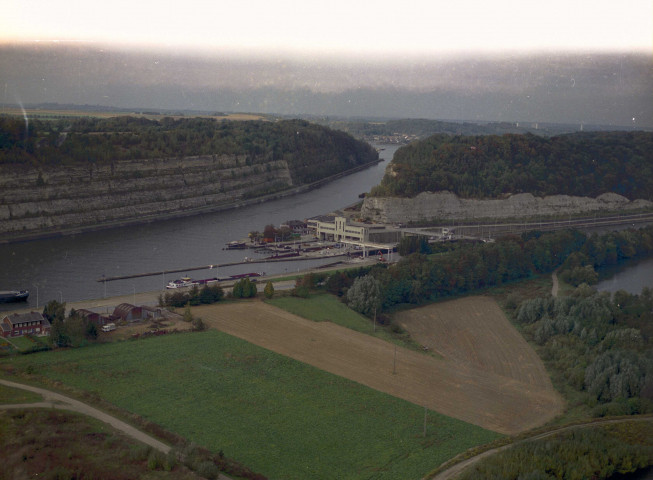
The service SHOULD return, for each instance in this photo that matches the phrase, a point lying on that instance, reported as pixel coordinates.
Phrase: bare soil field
(474, 331)
(511, 396)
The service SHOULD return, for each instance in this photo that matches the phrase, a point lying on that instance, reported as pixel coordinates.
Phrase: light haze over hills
(559, 61)
(595, 88)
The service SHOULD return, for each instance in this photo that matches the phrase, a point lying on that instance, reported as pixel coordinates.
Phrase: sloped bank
(445, 205)
(40, 204)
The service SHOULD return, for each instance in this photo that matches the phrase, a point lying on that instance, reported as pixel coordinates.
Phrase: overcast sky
(567, 61)
(338, 27)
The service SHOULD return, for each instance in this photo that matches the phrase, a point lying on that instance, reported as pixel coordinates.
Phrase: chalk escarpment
(447, 206)
(44, 200)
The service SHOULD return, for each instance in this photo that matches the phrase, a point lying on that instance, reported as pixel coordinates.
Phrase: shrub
(269, 290)
(300, 291)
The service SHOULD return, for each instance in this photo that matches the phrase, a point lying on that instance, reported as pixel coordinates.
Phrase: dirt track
(58, 401)
(508, 399)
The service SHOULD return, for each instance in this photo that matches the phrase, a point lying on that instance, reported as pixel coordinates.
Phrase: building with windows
(340, 230)
(19, 324)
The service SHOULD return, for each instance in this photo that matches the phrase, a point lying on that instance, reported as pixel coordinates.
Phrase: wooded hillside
(580, 164)
(312, 152)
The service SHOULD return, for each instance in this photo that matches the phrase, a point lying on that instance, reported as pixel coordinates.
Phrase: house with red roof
(19, 324)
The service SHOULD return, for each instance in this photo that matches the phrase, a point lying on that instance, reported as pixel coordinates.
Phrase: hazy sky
(337, 27)
(570, 61)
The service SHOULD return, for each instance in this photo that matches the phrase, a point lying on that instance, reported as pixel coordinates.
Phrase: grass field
(278, 416)
(26, 343)
(323, 307)
(16, 395)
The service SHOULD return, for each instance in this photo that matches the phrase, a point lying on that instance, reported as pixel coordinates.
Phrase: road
(61, 402)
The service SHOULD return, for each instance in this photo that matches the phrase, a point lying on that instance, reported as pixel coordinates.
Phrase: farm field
(324, 307)
(475, 332)
(278, 416)
(513, 396)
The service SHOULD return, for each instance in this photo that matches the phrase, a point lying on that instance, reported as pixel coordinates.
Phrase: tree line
(596, 344)
(594, 452)
(311, 151)
(429, 272)
(580, 164)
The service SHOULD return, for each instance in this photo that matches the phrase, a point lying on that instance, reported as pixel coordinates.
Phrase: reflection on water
(67, 268)
(632, 278)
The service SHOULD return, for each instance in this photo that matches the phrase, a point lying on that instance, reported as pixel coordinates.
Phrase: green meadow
(323, 307)
(280, 417)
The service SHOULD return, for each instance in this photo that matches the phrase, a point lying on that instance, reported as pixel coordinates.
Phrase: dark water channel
(67, 268)
(632, 278)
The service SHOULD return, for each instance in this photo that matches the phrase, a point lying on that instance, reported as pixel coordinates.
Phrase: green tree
(54, 310)
(91, 331)
(269, 290)
(364, 295)
(210, 294)
(244, 288)
(198, 324)
(188, 315)
(59, 336)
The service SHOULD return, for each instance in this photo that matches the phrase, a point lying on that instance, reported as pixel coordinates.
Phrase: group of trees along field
(597, 344)
(312, 151)
(580, 164)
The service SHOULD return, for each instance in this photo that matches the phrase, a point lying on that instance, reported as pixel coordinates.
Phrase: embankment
(445, 205)
(50, 202)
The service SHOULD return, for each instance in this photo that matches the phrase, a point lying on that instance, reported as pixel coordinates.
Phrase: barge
(7, 296)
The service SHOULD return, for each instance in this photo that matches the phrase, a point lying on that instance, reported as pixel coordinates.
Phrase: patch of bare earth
(510, 395)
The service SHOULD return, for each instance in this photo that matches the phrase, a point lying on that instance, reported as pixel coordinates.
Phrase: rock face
(445, 205)
(34, 202)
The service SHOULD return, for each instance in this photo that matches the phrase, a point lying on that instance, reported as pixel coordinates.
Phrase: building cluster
(35, 323)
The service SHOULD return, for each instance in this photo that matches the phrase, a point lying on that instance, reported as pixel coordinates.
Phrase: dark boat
(246, 275)
(7, 296)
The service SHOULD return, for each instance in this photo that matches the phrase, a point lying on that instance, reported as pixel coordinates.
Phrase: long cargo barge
(189, 282)
(7, 296)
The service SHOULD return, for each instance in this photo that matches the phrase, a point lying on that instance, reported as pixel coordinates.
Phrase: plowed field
(499, 385)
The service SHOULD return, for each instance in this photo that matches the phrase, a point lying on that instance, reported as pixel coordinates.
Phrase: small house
(19, 324)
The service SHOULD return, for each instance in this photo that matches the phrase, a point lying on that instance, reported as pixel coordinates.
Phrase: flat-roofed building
(340, 230)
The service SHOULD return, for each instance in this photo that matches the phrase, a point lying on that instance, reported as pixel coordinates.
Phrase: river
(67, 268)
(632, 278)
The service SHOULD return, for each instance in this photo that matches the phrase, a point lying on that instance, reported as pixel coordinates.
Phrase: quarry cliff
(435, 206)
(71, 176)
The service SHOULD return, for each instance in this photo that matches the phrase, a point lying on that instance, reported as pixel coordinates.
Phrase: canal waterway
(631, 277)
(67, 268)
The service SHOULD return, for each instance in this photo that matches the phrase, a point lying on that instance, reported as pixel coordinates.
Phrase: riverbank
(151, 298)
(139, 218)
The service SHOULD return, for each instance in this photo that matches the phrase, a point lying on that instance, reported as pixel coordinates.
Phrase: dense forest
(597, 452)
(312, 152)
(580, 164)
